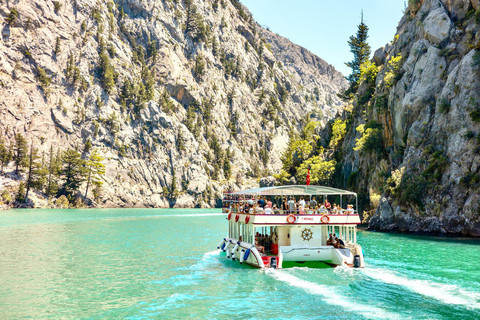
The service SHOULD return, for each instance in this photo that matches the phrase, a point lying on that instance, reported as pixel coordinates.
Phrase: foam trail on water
(205, 260)
(330, 296)
(446, 293)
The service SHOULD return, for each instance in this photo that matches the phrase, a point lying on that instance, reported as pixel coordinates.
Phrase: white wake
(330, 297)
(446, 293)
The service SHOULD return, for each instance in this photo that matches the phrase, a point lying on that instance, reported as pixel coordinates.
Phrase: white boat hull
(325, 254)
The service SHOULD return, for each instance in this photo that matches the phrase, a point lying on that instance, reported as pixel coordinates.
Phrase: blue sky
(324, 26)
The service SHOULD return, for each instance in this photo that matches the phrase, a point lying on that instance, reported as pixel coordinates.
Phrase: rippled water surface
(162, 264)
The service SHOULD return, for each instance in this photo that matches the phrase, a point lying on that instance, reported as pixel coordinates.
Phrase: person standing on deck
(301, 202)
(261, 202)
(285, 205)
(313, 203)
(291, 206)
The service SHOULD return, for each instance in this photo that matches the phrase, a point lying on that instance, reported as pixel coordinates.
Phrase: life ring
(291, 219)
(325, 219)
(236, 217)
(229, 216)
(247, 219)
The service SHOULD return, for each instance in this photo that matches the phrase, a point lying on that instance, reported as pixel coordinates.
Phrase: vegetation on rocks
(163, 91)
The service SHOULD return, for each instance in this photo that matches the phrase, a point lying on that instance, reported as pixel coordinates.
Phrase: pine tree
(6, 154)
(31, 175)
(227, 167)
(20, 193)
(107, 72)
(54, 167)
(95, 169)
(20, 152)
(361, 53)
(73, 171)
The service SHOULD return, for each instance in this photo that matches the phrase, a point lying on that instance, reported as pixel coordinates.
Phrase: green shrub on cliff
(12, 16)
(393, 70)
(321, 171)
(371, 139)
(339, 129)
(368, 72)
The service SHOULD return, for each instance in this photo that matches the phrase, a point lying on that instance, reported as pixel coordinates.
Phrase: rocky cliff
(182, 98)
(413, 138)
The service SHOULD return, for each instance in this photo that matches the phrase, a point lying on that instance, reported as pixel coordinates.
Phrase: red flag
(308, 177)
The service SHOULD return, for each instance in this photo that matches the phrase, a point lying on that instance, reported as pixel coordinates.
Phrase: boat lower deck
(248, 253)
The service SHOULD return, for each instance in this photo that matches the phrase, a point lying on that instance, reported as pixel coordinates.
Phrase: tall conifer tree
(20, 152)
(361, 53)
(6, 154)
(95, 169)
(73, 171)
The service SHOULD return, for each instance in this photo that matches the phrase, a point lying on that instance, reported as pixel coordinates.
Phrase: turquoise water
(162, 264)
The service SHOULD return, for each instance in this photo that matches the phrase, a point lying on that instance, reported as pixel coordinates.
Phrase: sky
(324, 26)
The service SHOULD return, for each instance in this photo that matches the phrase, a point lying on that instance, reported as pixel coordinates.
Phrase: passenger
(329, 240)
(350, 209)
(338, 209)
(269, 203)
(313, 203)
(301, 210)
(340, 243)
(261, 202)
(291, 206)
(322, 209)
(259, 247)
(301, 202)
(275, 209)
(327, 205)
(285, 205)
(334, 209)
(268, 209)
(258, 209)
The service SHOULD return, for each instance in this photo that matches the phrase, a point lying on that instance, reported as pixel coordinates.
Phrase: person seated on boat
(327, 205)
(291, 206)
(268, 209)
(269, 203)
(275, 209)
(259, 247)
(329, 240)
(301, 210)
(322, 209)
(339, 209)
(340, 243)
(258, 209)
(350, 209)
(333, 209)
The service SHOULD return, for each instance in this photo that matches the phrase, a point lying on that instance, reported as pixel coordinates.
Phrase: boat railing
(296, 212)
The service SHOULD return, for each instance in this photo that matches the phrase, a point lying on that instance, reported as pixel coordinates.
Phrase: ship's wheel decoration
(307, 234)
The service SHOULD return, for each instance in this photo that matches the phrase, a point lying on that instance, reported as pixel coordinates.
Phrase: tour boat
(276, 238)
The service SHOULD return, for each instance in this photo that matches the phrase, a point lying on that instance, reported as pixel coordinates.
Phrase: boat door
(284, 236)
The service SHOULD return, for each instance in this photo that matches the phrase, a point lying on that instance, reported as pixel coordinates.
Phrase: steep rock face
(164, 89)
(428, 169)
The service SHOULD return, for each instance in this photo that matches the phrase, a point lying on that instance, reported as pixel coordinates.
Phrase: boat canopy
(294, 191)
